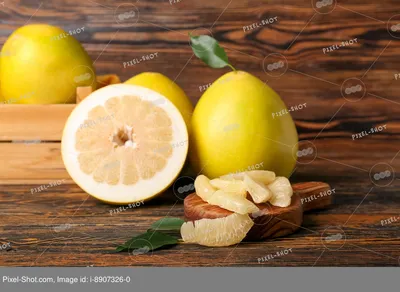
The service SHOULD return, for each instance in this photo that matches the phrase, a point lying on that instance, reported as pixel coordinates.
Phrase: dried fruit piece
(229, 201)
(224, 231)
(203, 187)
(232, 203)
(236, 187)
(259, 192)
(281, 192)
(261, 176)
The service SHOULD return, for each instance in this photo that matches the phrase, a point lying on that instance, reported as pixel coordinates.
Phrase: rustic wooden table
(366, 213)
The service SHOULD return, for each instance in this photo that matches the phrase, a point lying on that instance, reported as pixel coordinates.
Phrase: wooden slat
(42, 122)
(33, 122)
(31, 162)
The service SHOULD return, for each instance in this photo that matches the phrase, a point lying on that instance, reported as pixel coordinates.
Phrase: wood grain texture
(271, 222)
(33, 123)
(314, 78)
(37, 123)
(30, 161)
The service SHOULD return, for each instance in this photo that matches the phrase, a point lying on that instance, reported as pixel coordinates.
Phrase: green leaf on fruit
(209, 51)
(143, 243)
(168, 224)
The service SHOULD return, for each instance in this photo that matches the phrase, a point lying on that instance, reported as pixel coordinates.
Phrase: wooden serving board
(270, 221)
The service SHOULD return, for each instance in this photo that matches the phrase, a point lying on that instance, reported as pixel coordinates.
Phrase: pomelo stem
(233, 68)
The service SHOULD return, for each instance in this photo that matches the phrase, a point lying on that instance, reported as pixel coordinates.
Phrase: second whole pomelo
(43, 64)
(234, 129)
(165, 86)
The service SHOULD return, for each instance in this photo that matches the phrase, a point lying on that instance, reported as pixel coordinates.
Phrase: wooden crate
(30, 139)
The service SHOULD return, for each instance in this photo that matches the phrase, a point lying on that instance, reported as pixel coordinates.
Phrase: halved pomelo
(118, 143)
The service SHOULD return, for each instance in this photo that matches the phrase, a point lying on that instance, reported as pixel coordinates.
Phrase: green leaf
(151, 240)
(209, 51)
(168, 224)
(120, 248)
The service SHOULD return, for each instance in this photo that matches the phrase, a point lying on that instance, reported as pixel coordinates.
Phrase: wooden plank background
(26, 218)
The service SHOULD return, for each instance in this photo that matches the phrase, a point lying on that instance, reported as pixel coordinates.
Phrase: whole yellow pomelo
(1, 98)
(162, 84)
(43, 64)
(234, 130)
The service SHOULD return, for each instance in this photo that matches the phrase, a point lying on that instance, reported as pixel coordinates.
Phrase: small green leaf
(151, 240)
(120, 248)
(168, 224)
(209, 51)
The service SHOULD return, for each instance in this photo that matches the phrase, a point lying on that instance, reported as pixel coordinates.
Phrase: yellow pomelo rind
(234, 130)
(42, 64)
(165, 86)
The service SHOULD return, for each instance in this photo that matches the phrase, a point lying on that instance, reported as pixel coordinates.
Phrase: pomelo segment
(203, 187)
(282, 192)
(262, 176)
(258, 192)
(235, 202)
(217, 232)
(230, 191)
(117, 144)
(230, 186)
(232, 203)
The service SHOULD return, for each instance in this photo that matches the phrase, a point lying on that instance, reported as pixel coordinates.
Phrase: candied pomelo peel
(238, 193)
